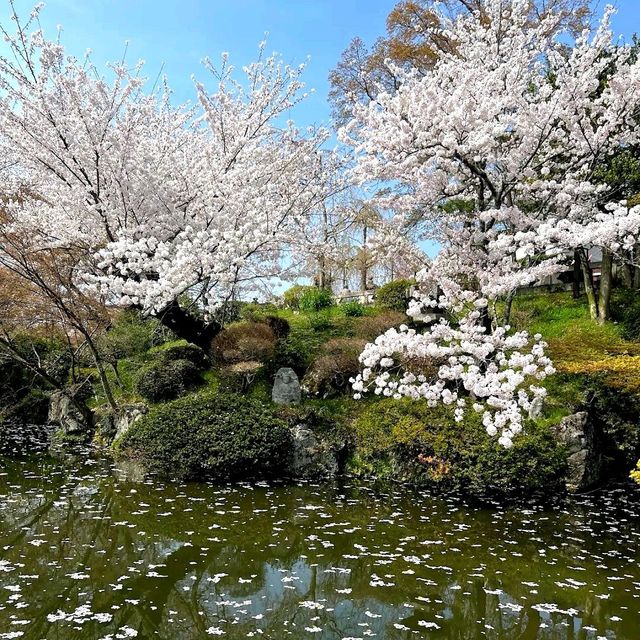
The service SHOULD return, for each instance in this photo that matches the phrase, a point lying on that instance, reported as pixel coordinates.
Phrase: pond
(88, 554)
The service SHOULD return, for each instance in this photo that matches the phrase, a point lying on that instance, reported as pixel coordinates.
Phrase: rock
(286, 387)
(312, 456)
(536, 408)
(127, 416)
(68, 411)
(112, 425)
(583, 441)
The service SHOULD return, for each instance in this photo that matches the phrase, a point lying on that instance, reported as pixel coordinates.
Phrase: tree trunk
(626, 275)
(507, 307)
(589, 286)
(363, 266)
(187, 326)
(102, 374)
(575, 284)
(323, 279)
(606, 279)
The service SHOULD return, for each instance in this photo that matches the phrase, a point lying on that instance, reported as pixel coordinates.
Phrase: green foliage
(353, 309)
(315, 299)
(327, 419)
(227, 312)
(182, 350)
(618, 414)
(129, 335)
(208, 436)
(165, 380)
(22, 391)
(280, 326)
(394, 295)
(291, 297)
(626, 310)
(322, 321)
(243, 342)
(329, 374)
(31, 407)
(425, 445)
(297, 350)
(256, 311)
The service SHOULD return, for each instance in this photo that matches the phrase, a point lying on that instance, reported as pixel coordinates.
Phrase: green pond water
(86, 553)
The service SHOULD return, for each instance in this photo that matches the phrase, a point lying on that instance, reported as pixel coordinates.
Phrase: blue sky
(179, 33)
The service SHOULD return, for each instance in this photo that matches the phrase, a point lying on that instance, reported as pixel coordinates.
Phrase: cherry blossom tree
(495, 151)
(161, 202)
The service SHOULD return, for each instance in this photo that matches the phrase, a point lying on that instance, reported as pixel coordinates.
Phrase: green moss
(425, 445)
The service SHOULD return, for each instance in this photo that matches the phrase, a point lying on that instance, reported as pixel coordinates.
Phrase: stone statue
(286, 387)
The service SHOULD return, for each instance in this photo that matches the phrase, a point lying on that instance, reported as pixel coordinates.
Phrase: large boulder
(286, 387)
(583, 440)
(68, 410)
(312, 456)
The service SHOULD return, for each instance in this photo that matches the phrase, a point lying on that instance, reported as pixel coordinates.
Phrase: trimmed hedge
(329, 374)
(165, 380)
(207, 436)
(244, 341)
(183, 350)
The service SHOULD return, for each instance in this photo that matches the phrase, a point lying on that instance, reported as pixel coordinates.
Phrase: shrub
(244, 341)
(315, 299)
(183, 350)
(291, 297)
(279, 326)
(208, 436)
(394, 295)
(626, 310)
(321, 321)
(297, 350)
(353, 309)
(427, 446)
(370, 327)
(129, 335)
(165, 380)
(328, 375)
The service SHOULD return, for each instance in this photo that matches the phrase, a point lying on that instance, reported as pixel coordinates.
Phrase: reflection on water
(87, 554)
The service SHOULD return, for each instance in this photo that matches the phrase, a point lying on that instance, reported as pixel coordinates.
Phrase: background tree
(414, 40)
